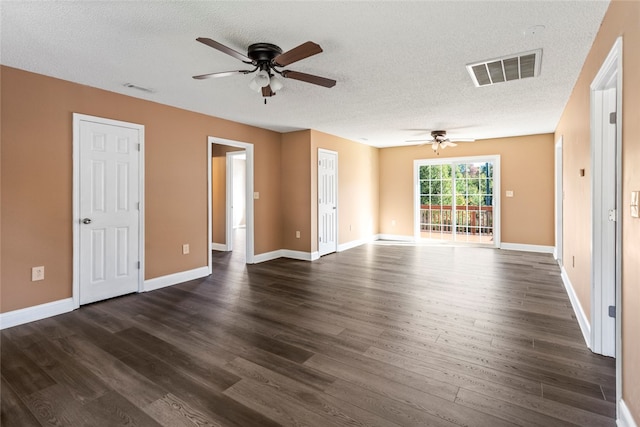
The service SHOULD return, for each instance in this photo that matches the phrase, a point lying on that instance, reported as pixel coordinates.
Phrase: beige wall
(296, 198)
(219, 191)
(358, 189)
(622, 19)
(36, 116)
(526, 169)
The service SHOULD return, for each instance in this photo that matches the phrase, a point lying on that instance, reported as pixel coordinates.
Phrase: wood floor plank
(261, 382)
(383, 334)
(13, 411)
(421, 400)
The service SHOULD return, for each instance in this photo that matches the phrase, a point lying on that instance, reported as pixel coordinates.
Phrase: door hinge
(612, 118)
(138, 146)
(612, 311)
(613, 215)
(138, 205)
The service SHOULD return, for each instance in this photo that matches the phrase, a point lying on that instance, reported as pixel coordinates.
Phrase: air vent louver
(512, 67)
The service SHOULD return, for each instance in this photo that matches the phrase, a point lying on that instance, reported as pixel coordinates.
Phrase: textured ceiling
(400, 66)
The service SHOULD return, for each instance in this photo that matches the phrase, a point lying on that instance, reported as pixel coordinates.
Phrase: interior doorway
(236, 204)
(230, 183)
(559, 197)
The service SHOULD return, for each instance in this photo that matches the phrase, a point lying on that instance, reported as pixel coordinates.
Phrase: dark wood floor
(379, 335)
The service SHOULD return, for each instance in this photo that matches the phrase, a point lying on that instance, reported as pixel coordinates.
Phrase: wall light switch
(509, 193)
(297, 234)
(256, 195)
(634, 204)
(185, 249)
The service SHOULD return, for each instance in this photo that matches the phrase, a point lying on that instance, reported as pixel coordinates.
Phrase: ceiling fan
(267, 60)
(439, 139)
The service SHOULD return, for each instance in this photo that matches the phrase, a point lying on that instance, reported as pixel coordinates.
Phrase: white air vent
(512, 67)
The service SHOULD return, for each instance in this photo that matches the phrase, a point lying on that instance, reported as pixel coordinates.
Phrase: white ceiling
(400, 65)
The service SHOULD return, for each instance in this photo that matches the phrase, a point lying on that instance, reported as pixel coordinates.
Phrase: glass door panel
(456, 201)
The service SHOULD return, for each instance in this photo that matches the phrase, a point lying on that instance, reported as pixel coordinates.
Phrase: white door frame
(609, 77)
(559, 196)
(77, 118)
(494, 158)
(248, 147)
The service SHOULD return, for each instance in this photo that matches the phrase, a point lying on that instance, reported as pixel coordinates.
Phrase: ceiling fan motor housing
(263, 52)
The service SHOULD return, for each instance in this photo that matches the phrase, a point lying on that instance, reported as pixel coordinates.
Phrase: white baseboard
(267, 256)
(396, 237)
(219, 247)
(286, 253)
(174, 279)
(37, 312)
(527, 248)
(303, 256)
(583, 320)
(625, 419)
(355, 243)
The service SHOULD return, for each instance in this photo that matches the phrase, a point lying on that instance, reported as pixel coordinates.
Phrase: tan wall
(36, 116)
(622, 19)
(219, 191)
(296, 199)
(526, 169)
(358, 188)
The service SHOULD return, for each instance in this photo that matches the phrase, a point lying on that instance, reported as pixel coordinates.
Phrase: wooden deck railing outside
(469, 219)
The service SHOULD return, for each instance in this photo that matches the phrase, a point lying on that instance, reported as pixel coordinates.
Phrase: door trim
(248, 147)
(77, 118)
(495, 158)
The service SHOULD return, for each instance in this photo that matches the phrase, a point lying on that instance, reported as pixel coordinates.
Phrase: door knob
(86, 221)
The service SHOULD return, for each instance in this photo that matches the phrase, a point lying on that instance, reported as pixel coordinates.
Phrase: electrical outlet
(185, 249)
(509, 193)
(297, 234)
(37, 273)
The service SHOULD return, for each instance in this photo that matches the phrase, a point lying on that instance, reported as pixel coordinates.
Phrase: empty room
(322, 213)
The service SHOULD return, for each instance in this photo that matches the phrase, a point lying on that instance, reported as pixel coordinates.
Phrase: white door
(109, 216)
(606, 148)
(606, 215)
(327, 202)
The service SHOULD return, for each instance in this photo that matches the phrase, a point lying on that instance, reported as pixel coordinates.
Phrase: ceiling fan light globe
(254, 86)
(262, 78)
(276, 84)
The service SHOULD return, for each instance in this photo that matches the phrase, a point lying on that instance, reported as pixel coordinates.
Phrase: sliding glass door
(456, 200)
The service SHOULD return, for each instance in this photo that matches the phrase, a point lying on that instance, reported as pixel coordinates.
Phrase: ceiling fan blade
(220, 74)
(296, 54)
(266, 91)
(224, 49)
(309, 78)
(420, 140)
(462, 139)
(451, 144)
